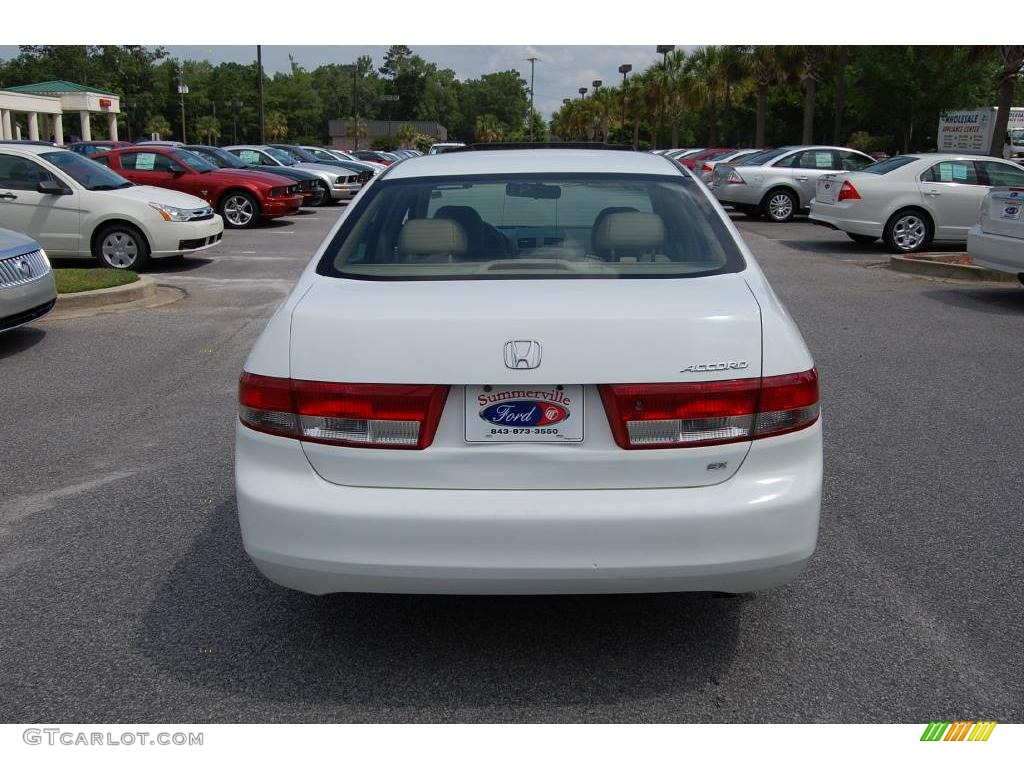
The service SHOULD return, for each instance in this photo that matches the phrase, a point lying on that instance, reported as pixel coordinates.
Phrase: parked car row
(75, 207)
(911, 200)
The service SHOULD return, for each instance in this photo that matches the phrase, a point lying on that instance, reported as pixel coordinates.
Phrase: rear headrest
(420, 237)
(629, 232)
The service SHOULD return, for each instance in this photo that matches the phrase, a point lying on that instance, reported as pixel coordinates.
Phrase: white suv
(530, 371)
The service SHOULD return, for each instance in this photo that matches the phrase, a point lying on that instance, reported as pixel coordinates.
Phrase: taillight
(848, 192)
(733, 177)
(710, 413)
(359, 415)
(706, 167)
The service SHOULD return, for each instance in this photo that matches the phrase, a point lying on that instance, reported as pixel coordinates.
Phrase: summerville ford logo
(524, 408)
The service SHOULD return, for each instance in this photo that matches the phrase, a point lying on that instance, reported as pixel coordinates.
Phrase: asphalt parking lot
(127, 596)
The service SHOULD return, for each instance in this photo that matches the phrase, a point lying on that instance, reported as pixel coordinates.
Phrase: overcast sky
(561, 71)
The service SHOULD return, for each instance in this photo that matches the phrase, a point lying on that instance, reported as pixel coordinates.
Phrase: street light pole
(182, 91)
(664, 50)
(625, 69)
(533, 60)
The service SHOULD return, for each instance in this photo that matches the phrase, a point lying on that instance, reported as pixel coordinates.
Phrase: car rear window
(883, 167)
(532, 226)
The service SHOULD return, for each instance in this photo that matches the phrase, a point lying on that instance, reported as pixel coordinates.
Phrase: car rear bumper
(835, 217)
(756, 530)
(1003, 254)
(20, 304)
(741, 194)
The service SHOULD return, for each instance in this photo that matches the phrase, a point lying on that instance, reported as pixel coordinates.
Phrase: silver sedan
(911, 200)
(27, 288)
(779, 183)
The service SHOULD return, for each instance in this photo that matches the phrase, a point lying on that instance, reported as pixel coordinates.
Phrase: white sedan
(530, 371)
(75, 207)
(911, 200)
(997, 240)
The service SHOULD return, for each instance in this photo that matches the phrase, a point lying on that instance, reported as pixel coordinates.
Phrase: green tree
(158, 125)
(208, 126)
(406, 134)
(488, 129)
(276, 126)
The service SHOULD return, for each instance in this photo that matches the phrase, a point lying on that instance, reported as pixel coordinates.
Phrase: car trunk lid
(591, 332)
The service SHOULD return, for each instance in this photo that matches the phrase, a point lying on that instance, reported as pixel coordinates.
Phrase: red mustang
(690, 161)
(241, 197)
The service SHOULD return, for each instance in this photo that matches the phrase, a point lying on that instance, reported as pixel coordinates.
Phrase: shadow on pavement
(269, 224)
(992, 299)
(176, 266)
(19, 339)
(433, 652)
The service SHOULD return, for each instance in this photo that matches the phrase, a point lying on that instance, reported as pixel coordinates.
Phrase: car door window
(853, 161)
(21, 173)
(952, 172)
(1001, 174)
(145, 161)
(788, 161)
(816, 159)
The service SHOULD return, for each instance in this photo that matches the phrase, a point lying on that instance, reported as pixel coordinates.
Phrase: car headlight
(170, 213)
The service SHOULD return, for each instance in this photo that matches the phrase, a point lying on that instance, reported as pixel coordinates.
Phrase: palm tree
(680, 91)
(653, 89)
(842, 56)
(158, 125)
(208, 126)
(406, 134)
(707, 71)
(276, 126)
(488, 129)
(810, 73)
(735, 71)
(602, 105)
(764, 65)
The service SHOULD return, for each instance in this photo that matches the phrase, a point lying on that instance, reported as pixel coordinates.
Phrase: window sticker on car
(823, 159)
(959, 172)
(945, 172)
(145, 161)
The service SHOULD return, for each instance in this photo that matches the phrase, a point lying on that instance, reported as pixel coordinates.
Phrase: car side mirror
(51, 187)
(178, 170)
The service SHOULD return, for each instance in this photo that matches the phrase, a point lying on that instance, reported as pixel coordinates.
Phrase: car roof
(508, 161)
(33, 149)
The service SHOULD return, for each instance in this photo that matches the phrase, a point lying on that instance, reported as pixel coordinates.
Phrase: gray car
(338, 183)
(27, 287)
(779, 183)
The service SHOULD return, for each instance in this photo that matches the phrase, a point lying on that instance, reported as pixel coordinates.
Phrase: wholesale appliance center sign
(966, 131)
(970, 131)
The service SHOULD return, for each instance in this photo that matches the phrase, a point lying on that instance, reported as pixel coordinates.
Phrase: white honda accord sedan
(527, 371)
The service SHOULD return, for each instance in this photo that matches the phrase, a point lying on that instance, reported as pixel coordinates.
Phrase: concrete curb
(929, 268)
(143, 288)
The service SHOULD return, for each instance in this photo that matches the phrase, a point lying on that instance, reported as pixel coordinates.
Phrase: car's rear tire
(908, 231)
(779, 205)
(862, 239)
(239, 209)
(121, 246)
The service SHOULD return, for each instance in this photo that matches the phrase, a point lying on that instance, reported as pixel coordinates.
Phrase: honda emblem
(522, 353)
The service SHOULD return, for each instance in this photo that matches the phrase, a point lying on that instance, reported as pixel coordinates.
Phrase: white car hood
(147, 194)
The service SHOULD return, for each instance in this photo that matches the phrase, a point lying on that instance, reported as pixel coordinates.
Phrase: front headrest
(629, 231)
(420, 237)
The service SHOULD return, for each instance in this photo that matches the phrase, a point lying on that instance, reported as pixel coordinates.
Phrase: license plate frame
(532, 413)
